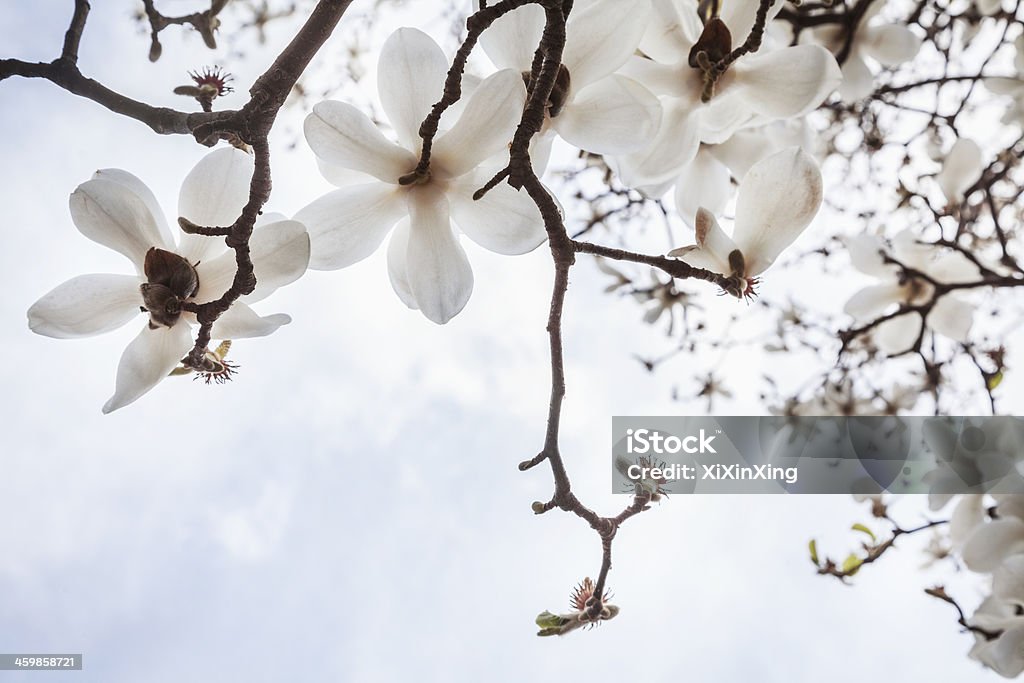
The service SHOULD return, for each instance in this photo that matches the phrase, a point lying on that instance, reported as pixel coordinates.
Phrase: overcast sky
(349, 509)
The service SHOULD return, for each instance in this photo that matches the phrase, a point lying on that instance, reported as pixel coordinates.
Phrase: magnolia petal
(713, 245)
(148, 359)
(241, 322)
(1010, 504)
(280, 255)
(213, 194)
(725, 115)
(1008, 580)
(1006, 654)
(951, 317)
(890, 44)
(674, 145)
(711, 237)
(342, 135)
(504, 220)
(512, 39)
(968, 514)
(338, 175)
(989, 7)
(85, 306)
(858, 81)
(348, 224)
(705, 182)
(943, 265)
(615, 115)
(440, 277)
(778, 198)
(486, 125)
(961, 168)
(670, 33)
(742, 150)
(911, 252)
(600, 36)
(1005, 86)
(658, 190)
(991, 543)
(410, 78)
(677, 81)
(398, 273)
(111, 214)
(873, 300)
(540, 150)
(995, 614)
(146, 195)
(866, 255)
(898, 334)
(787, 82)
(740, 16)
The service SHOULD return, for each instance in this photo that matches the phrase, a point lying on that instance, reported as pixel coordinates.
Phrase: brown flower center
(170, 281)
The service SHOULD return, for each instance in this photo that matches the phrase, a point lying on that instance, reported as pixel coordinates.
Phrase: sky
(349, 508)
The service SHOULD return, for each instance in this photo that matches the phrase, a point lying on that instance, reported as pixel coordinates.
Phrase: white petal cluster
(119, 211)
(990, 543)
(951, 315)
(771, 84)
(627, 90)
(874, 41)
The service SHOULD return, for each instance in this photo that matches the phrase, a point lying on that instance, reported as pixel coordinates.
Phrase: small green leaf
(994, 380)
(864, 529)
(548, 620)
(813, 545)
(852, 563)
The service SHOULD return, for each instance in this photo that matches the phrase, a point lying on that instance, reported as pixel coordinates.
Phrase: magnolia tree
(680, 144)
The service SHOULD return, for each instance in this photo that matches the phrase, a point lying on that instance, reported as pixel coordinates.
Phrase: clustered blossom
(949, 314)
(874, 40)
(630, 88)
(771, 84)
(119, 211)
(653, 86)
(988, 531)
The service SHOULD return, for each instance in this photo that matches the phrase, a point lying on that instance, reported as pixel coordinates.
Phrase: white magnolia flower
(778, 198)
(117, 210)
(427, 265)
(1005, 653)
(951, 316)
(885, 43)
(756, 88)
(960, 169)
(591, 107)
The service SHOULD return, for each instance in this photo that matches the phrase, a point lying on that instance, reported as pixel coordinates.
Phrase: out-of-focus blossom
(950, 316)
